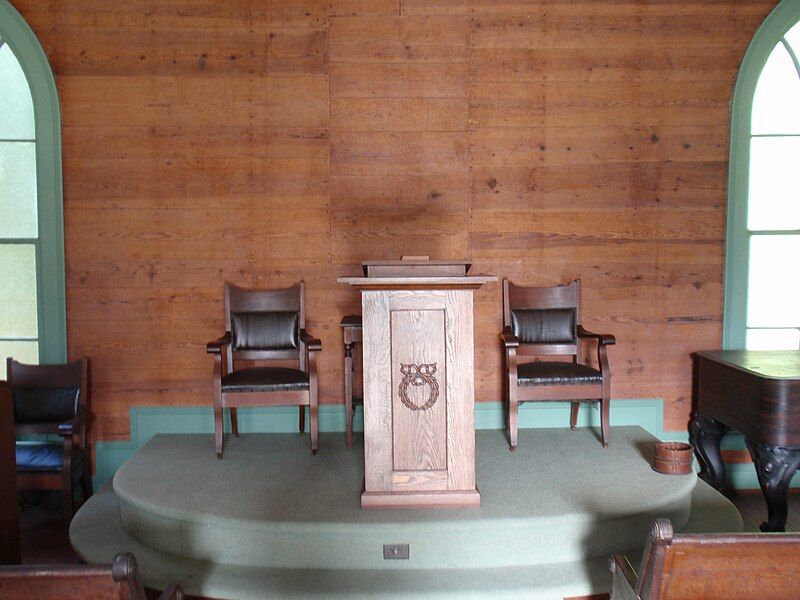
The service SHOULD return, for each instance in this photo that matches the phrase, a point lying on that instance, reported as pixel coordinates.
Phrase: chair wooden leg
(86, 478)
(605, 425)
(69, 502)
(302, 419)
(314, 418)
(513, 422)
(573, 415)
(348, 397)
(86, 486)
(218, 426)
(234, 422)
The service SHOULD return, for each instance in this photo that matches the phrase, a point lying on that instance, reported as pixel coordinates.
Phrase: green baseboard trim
(147, 421)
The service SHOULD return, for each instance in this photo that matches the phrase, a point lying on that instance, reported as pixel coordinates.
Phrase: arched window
(32, 303)
(762, 288)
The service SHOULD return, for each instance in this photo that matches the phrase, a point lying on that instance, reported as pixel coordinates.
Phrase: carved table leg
(775, 466)
(704, 435)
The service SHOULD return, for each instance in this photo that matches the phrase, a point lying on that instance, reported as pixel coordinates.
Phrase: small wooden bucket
(672, 458)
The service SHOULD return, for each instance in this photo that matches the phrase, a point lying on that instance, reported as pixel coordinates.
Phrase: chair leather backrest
(544, 326)
(34, 404)
(267, 330)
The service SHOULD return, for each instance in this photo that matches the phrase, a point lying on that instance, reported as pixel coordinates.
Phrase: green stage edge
(147, 421)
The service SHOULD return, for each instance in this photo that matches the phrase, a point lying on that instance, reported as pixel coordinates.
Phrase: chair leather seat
(41, 457)
(265, 379)
(557, 373)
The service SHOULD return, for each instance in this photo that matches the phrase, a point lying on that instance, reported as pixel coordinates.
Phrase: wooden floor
(753, 509)
(44, 535)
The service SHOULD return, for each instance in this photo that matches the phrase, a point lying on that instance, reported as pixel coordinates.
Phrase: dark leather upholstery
(544, 326)
(274, 330)
(263, 379)
(41, 457)
(557, 373)
(45, 404)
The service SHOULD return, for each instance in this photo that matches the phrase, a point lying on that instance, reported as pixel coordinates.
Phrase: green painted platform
(270, 519)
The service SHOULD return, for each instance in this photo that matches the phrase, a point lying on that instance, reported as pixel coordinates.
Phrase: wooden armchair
(698, 566)
(546, 321)
(263, 325)
(52, 399)
(118, 580)
(10, 551)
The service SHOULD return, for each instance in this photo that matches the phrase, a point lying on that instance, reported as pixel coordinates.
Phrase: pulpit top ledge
(417, 273)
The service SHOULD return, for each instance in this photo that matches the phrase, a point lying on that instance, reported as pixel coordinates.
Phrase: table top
(767, 364)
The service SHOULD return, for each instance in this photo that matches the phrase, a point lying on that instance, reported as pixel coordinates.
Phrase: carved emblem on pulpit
(416, 376)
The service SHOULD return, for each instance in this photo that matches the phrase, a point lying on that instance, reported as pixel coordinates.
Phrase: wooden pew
(9, 505)
(701, 566)
(79, 582)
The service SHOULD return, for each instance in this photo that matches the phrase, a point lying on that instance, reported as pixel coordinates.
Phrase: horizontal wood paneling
(262, 142)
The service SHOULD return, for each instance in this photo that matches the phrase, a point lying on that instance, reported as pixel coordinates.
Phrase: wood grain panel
(377, 422)
(419, 436)
(460, 390)
(650, 63)
(264, 142)
(399, 80)
(399, 39)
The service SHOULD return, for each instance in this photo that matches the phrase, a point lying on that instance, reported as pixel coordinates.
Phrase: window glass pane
(16, 105)
(774, 197)
(773, 339)
(18, 291)
(793, 37)
(773, 289)
(24, 352)
(777, 96)
(18, 190)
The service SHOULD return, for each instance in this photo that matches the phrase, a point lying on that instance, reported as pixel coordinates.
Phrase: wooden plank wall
(265, 141)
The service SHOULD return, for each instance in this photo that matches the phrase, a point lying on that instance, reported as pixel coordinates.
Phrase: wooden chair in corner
(52, 399)
(264, 325)
(546, 322)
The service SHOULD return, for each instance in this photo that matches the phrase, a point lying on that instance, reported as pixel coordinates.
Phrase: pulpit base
(460, 499)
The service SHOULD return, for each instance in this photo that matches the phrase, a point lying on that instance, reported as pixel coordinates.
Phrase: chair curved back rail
(241, 301)
(741, 566)
(52, 399)
(119, 580)
(546, 322)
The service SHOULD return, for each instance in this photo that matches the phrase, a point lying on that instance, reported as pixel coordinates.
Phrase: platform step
(543, 531)
(288, 509)
(97, 534)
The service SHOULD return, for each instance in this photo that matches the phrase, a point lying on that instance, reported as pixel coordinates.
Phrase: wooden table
(419, 391)
(351, 336)
(758, 394)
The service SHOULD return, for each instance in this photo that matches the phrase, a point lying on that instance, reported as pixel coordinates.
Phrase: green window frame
(737, 247)
(49, 245)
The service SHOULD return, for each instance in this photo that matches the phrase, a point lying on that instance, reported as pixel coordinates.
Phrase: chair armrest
(313, 344)
(215, 347)
(623, 585)
(605, 339)
(72, 426)
(172, 592)
(508, 338)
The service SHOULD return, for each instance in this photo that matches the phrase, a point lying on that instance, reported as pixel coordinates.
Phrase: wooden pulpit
(419, 392)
